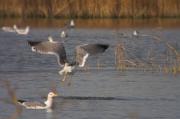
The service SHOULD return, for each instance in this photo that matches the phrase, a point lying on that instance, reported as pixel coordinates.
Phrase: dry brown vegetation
(167, 61)
(90, 8)
(12, 99)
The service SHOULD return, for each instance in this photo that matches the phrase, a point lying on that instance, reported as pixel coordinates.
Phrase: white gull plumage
(63, 34)
(135, 33)
(57, 48)
(72, 24)
(8, 29)
(39, 105)
(21, 31)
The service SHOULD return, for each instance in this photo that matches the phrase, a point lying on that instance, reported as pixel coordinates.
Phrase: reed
(167, 61)
(121, 61)
(90, 8)
(13, 99)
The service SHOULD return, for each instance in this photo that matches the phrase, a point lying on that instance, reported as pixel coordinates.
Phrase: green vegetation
(90, 8)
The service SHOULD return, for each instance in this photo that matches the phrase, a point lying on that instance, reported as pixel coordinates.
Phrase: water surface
(103, 93)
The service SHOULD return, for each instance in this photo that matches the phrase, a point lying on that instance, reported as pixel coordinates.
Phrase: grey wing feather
(82, 51)
(93, 49)
(46, 47)
(33, 104)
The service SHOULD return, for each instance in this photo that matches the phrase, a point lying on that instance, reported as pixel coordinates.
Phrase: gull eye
(33, 49)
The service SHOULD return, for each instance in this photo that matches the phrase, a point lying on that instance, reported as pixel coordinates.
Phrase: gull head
(14, 26)
(50, 39)
(52, 94)
(33, 49)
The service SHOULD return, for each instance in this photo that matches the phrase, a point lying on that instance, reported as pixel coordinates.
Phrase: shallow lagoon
(104, 92)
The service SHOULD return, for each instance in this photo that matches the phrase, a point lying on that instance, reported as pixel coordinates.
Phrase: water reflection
(93, 23)
(49, 114)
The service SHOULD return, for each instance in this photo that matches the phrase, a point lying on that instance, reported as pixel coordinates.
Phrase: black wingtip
(104, 46)
(33, 43)
(21, 101)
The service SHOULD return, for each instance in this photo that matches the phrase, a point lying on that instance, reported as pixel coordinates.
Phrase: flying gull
(57, 48)
(39, 105)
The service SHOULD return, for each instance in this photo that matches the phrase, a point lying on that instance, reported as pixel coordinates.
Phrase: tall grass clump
(90, 8)
(5, 84)
(121, 62)
(119, 57)
(157, 55)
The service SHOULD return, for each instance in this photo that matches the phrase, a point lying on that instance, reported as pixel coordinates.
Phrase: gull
(135, 33)
(63, 34)
(39, 105)
(8, 29)
(69, 25)
(56, 48)
(50, 47)
(21, 31)
(72, 24)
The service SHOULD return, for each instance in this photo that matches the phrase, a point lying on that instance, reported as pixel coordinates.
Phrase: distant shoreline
(93, 23)
(90, 9)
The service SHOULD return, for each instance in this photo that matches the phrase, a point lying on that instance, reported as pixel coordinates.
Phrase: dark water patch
(115, 98)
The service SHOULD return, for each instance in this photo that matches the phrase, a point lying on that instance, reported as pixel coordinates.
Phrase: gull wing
(33, 104)
(83, 51)
(53, 48)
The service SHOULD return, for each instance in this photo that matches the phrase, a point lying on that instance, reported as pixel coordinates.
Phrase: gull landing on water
(57, 49)
(38, 105)
(21, 31)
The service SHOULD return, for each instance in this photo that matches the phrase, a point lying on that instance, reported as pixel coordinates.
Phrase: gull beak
(55, 94)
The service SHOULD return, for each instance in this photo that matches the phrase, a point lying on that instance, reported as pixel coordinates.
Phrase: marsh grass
(90, 8)
(12, 99)
(167, 61)
(120, 57)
